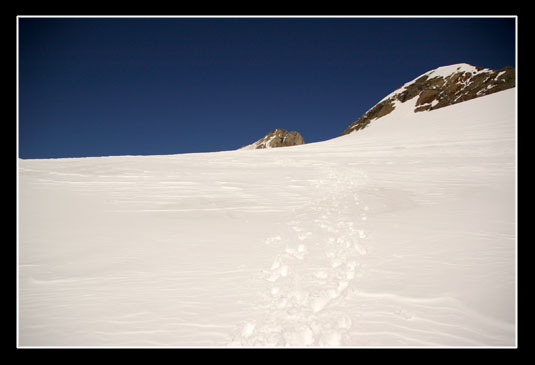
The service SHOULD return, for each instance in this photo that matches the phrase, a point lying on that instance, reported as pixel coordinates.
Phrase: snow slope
(401, 234)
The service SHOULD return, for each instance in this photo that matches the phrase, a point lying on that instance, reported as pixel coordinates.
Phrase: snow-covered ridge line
(444, 71)
(441, 87)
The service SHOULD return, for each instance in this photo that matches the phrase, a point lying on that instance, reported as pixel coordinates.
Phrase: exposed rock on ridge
(439, 88)
(277, 138)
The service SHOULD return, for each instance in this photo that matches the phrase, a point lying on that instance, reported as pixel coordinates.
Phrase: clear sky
(152, 86)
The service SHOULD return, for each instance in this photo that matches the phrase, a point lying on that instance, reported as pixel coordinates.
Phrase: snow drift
(401, 234)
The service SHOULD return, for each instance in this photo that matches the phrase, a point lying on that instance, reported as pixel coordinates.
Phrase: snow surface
(401, 234)
(446, 71)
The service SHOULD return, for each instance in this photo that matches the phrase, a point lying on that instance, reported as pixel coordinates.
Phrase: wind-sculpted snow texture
(317, 258)
(402, 234)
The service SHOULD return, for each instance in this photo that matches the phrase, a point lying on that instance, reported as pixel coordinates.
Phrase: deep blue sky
(149, 86)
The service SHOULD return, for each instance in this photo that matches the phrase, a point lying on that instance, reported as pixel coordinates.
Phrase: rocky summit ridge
(277, 138)
(439, 88)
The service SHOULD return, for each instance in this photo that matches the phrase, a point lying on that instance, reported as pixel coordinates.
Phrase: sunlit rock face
(439, 88)
(277, 138)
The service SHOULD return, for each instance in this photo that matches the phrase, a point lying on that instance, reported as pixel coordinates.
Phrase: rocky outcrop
(277, 138)
(439, 88)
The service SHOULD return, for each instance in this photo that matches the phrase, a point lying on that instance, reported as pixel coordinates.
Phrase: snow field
(311, 272)
(402, 234)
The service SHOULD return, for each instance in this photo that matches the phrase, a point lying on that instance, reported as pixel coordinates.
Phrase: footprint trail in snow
(312, 272)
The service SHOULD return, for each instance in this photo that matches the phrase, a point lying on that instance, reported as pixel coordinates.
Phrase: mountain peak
(441, 87)
(277, 138)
